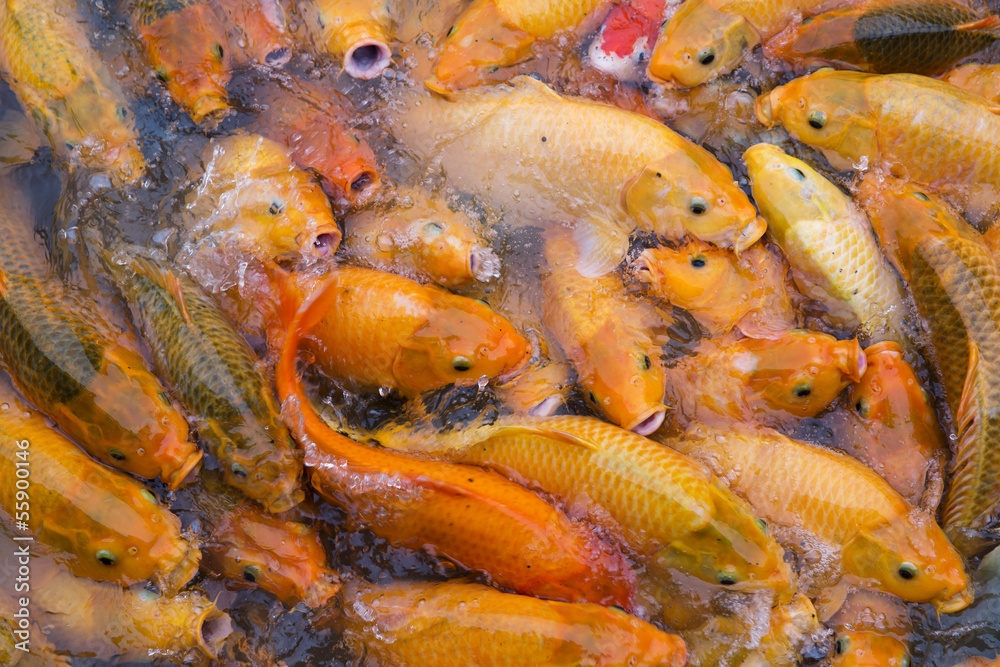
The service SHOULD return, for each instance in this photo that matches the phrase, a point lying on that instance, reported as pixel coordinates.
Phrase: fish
(64, 87)
(68, 361)
(982, 80)
(909, 126)
(538, 391)
(474, 517)
(829, 243)
(314, 122)
(216, 376)
(38, 650)
(257, 31)
(670, 511)
(186, 46)
(877, 537)
(104, 524)
(490, 34)
(871, 629)
(452, 623)
(705, 39)
(354, 31)
(915, 36)
(625, 40)
(386, 331)
(613, 341)
(892, 427)
(724, 291)
(90, 619)
(991, 237)
(955, 283)
(254, 197)
(546, 169)
(420, 236)
(768, 381)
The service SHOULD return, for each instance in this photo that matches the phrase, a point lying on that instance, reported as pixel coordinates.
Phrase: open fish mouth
(211, 628)
(367, 59)
(649, 423)
(957, 602)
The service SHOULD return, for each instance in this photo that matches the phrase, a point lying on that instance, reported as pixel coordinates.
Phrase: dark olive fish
(216, 376)
(919, 37)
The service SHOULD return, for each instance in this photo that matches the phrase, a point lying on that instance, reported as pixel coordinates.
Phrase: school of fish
(440, 333)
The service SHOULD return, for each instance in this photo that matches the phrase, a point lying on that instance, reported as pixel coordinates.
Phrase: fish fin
(173, 285)
(601, 248)
(989, 23)
(539, 428)
(829, 600)
(529, 85)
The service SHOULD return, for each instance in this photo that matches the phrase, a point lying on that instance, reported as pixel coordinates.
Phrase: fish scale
(767, 16)
(148, 12)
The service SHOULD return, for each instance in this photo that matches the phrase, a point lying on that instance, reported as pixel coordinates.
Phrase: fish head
(624, 379)
(188, 620)
(691, 275)
(100, 133)
(462, 342)
(444, 244)
(282, 557)
(699, 198)
(910, 557)
(892, 403)
(802, 372)
(480, 42)
(261, 462)
(700, 43)
(868, 648)
(538, 392)
(828, 110)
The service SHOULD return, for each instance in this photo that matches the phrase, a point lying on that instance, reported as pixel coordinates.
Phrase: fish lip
(547, 406)
(750, 234)
(212, 627)
(957, 602)
(650, 421)
(211, 109)
(183, 572)
(286, 501)
(373, 59)
(178, 476)
(764, 110)
(278, 56)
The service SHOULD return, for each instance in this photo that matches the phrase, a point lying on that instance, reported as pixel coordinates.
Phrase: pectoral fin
(602, 246)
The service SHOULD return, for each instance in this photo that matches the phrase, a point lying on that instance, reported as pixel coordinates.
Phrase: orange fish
(474, 517)
(871, 629)
(314, 122)
(257, 30)
(893, 429)
(455, 623)
(982, 80)
(721, 289)
(383, 330)
(608, 336)
(770, 381)
(356, 31)
(186, 45)
(538, 392)
(991, 237)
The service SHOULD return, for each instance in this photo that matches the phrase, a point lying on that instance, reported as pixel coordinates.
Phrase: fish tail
(988, 24)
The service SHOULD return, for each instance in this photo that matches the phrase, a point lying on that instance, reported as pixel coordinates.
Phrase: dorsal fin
(168, 280)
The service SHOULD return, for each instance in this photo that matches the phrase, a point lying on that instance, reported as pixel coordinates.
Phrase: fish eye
(492, 68)
(863, 407)
(698, 205)
(817, 120)
(239, 470)
(841, 646)
(433, 229)
(484, 302)
(921, 196)
(162, 395)
(802, 389)
(277, 207)
(905, 660)
(797, 173)
(105, 557)
(70, 145)
(461, 363)
(161, 74)
(727, 578)
(451, 31)
(251, 573)
(121, 112)
(592, 397)
(706, 56)
(647, 363)
(116, 454)
(148, 495)
(217, 51)
(907, 570)
(698, 261)
(762, 524)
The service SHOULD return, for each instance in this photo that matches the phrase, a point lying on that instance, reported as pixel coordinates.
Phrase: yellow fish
(982, 80)
(555, 160)
(879, 538)
(871, 629)
(829, 243)
(355, 31)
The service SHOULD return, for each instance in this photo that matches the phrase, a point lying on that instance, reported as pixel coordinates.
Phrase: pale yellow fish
(982, 80)
(354, 31)
(830, 245)
(544, 159)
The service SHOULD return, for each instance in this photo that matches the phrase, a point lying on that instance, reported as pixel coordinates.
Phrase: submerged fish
(186, 47)
(770, 381)
(421, 237)
(829, 243)
(36, 649)
(878, 538)
(610, 338)
(540, 391)
(955, 283)
(254, 197)
(982, 80)
(382, 330)
(65, 359)
(546, 169)
(355, 31)
(62, 84)
(871, 629)
(916, 36)
(906, 125)
(105, 525)
(217, 376)
(892, 427)
(257, 30)
(721, 289)
(453, 623)
(670, 512)
(491, 34)
(707, 38)
(474, 517)
(625, 41)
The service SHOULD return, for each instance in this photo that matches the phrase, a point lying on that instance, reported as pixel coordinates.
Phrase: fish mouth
(278, 56)
(180, 475)
(367, 59)
(210, 109)
(957, 602)
(211, 628)
(286, 502)
(764, 110)
(171, 582)
(652, 421)
(750, 234)
(547, 406)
